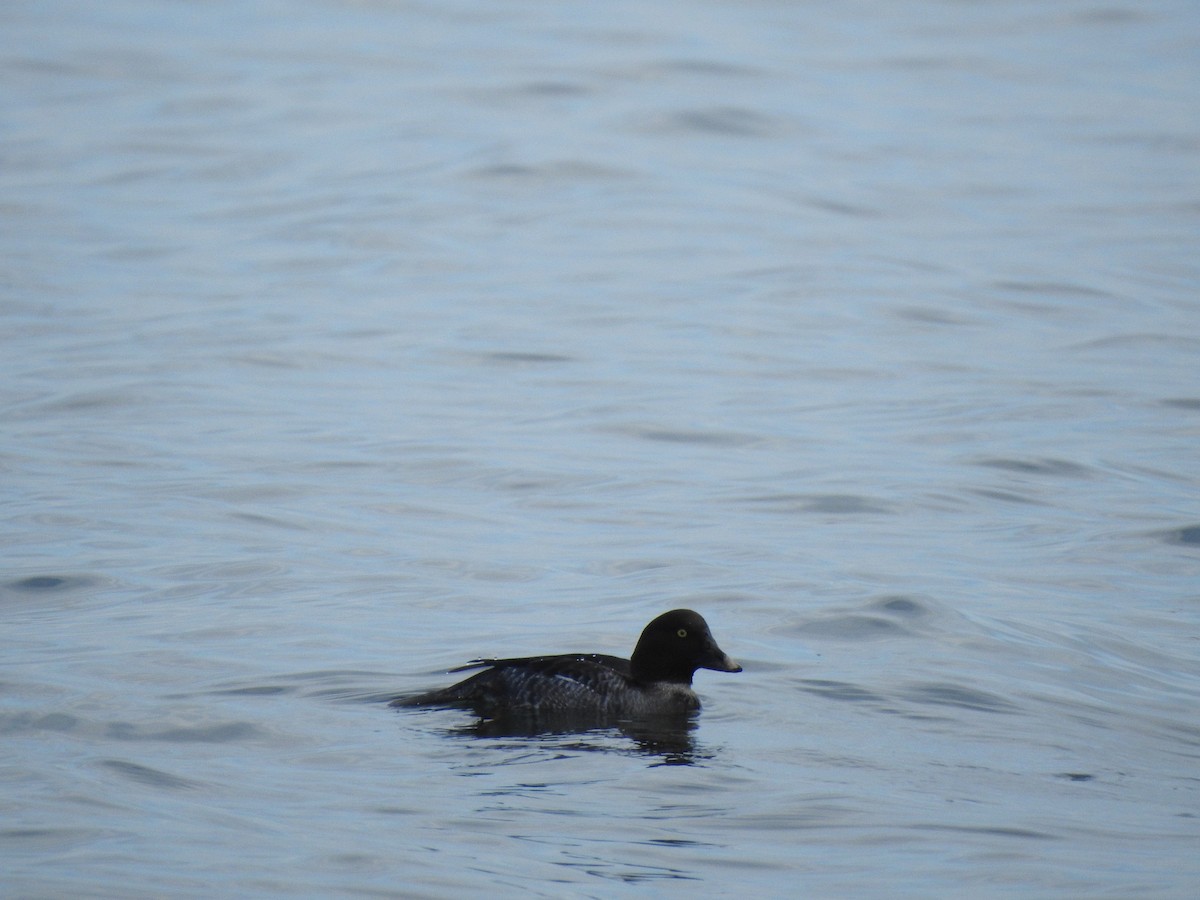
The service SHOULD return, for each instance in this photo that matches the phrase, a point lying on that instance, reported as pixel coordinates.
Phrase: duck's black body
(656, 680)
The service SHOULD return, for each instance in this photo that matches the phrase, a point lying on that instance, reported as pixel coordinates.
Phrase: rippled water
(345, 342)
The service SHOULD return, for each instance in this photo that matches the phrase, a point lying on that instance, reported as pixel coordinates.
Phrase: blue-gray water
(344, 342)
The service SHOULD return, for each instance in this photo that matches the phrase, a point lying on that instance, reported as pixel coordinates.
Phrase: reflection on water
(669, 740)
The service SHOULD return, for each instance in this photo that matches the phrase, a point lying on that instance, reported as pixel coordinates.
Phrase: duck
(656, 680)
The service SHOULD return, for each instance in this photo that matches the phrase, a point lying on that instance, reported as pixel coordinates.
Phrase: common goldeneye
(657, 680)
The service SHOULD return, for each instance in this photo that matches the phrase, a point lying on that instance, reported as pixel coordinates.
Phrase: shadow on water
(668, 740)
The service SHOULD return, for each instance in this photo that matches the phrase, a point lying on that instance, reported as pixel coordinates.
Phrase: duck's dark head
(674, 646)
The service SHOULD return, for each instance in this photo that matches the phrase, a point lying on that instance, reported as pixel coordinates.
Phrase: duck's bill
(718, 661)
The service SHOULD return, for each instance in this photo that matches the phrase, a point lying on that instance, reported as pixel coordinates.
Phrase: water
(345, 342)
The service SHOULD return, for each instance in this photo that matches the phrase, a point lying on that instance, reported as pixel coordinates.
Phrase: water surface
(345, 342)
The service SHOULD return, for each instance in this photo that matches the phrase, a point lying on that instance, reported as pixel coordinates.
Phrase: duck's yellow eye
(682, 632)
